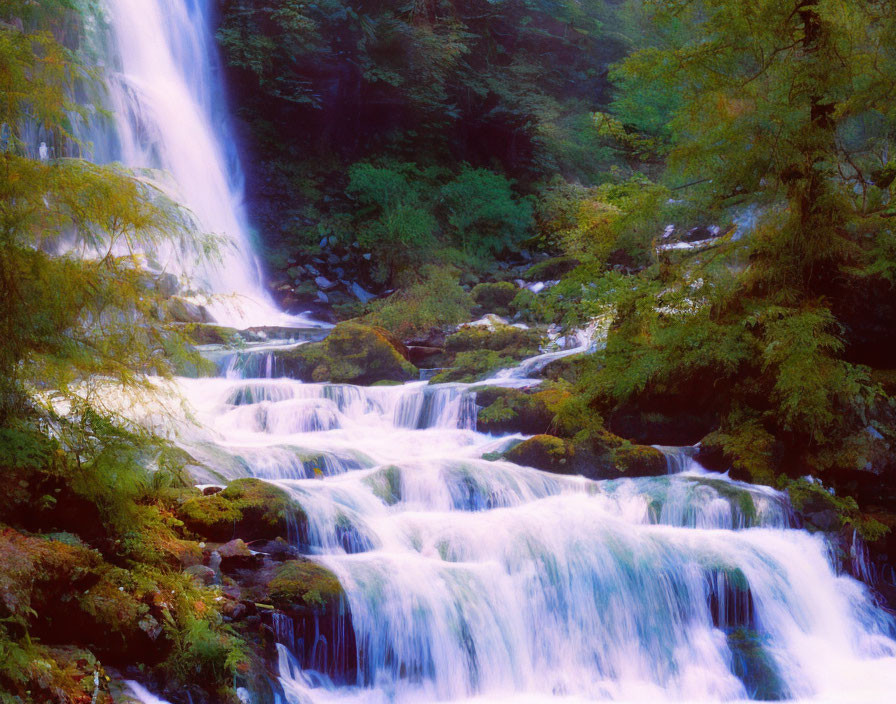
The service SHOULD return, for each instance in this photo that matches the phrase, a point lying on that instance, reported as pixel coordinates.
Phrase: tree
(76, 302)
(786, 106)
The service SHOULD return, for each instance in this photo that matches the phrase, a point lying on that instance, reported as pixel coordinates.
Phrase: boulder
(181, 310)
(249, 509)
(418, 354)
(236, 555)
(201, 574)
(545, 452)
(514, 411)
(495, 298)
(350, 354)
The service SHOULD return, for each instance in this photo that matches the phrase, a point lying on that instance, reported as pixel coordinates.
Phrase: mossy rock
(639, 461)
(302, 585)
(473, 365)
(249, 509)
(37, 573)
(475, 351)
(495, 298)
(755, 667)
(569, 369)
(550, 269)
(545, 452)
(514, 411)
(209, 334)
(506, 339)
(350, 354)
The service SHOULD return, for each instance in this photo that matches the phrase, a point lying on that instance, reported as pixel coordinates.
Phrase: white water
(483, 581)
(169, 116)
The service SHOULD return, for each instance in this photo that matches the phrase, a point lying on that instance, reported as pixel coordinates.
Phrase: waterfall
(477, 580)
(169, 116)
(468, 578)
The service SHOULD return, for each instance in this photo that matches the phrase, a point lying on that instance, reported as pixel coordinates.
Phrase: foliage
(434, 300)
(507, 87)
(483, 214)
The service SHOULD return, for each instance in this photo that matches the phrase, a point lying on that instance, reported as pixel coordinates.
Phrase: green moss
(350, 354)
(516, 411)
(546, 452)
(550, 269)
(248, 508)
(638, 460)
(495, 298)
(302, 584)
(506, 339)
(467, 367)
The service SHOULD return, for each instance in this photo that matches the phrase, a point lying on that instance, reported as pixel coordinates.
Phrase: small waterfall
(475, 580)
(586, 341)
(679, 459)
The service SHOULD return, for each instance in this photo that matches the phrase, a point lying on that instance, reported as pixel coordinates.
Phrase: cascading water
(169, 117)
(477, 580)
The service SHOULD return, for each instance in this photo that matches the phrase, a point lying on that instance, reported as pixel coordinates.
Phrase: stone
(202, 574)
(324, 283)
(359, 293)
(351, 354)
(181, 310)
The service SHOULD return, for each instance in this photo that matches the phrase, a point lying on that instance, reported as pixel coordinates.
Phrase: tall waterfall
(169, 116)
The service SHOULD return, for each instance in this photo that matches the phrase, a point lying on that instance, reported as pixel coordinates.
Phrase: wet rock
(418, 355)
(324, 283)
(277, 549)
(236, 555)
(359, 293)
(202, 574)
(181, 310)
(209, 490)
(248, 508)
(351, 354)
(545, 452)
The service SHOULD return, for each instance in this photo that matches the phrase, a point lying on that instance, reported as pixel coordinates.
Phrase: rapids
(472, 579)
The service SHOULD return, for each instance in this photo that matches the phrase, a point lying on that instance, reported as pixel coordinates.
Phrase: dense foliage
(465, 99)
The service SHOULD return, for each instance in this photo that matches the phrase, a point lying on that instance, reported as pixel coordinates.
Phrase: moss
(506, 339)
(545, 452)
(350, 354)
(516, 411)
(495, 298)
(638, 460)
(386, 484)
(569, 369)
(248, 508)
(305, 585)
(467, 367)
(821, 510)
(208, 334)
(550, 269)
(35, 572)
(473, 352)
